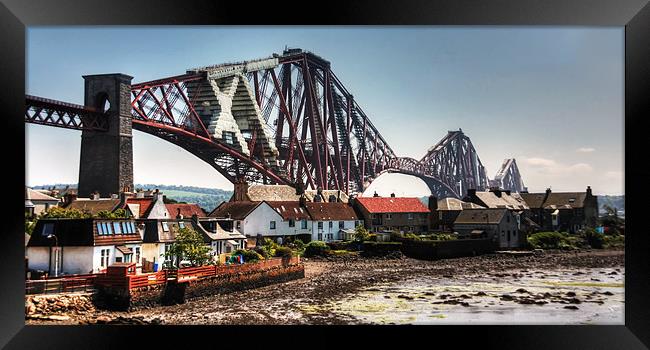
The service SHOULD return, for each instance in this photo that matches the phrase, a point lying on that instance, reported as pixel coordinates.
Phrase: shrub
(261, 252)
(442, 237)
(283, 252)
(551, 240)
(592, 238)
(611, 241)
(316, 248)
(249, 255)
(361, 234)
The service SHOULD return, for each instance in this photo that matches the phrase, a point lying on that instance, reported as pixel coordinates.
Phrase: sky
(551, 97)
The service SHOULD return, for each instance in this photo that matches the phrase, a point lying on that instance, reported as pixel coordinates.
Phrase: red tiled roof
(392, 205)
(321, 211)
(187, 210)
(145, 205)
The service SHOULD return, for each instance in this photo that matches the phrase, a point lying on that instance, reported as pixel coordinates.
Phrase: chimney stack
(69, 198)
(589, 191)
(392, 194)
(375, 195)
(178, 213)
(240, 190)
(302, 201)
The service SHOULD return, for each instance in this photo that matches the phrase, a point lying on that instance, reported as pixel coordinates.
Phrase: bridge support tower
(106, 164)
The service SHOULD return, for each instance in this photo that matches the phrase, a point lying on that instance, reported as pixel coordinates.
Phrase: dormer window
(572, 200)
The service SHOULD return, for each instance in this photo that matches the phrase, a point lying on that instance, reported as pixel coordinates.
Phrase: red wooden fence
(87, 282)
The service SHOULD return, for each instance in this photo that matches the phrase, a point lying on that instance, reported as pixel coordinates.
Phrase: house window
(272, 226)
(389, 216)
(238, 224)
(229, 137)
(292, 223)
(105, 254)
(341, 224)
(116, 227)
(137, 255)
(320, 226)
(108, 228)
(331, 224)
(165, 227)
(410, 216)
(100, 229)
(128, 257)
(48, 229)
(181, 224)
(507, 218)
(320, 236)
(118, 259)
(356, 223)
(303, 224)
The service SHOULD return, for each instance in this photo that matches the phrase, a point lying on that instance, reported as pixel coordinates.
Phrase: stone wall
(174, 293)
(56, 304)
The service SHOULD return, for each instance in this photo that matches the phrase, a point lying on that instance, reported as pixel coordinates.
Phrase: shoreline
(327, 280)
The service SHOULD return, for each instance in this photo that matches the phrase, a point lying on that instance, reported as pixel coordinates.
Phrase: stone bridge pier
(106, 163)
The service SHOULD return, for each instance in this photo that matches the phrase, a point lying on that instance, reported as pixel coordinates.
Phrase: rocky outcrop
(57, 304)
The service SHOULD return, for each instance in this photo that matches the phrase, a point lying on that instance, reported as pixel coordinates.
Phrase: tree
(117, 214)
(30, 223)
(188, 246)
(58, 212)
(361, 234)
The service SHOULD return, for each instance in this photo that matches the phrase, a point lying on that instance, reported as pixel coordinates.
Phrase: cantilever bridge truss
(286, 119)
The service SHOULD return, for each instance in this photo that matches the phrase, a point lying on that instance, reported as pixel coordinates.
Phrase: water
(593, 296)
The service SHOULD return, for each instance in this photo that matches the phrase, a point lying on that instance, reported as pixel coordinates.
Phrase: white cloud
(585, 150)
(552, 168)
(614, 175)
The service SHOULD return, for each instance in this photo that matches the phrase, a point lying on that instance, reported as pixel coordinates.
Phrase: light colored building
(81, 246)
(37, 202)
(499, 224)
(330, 220)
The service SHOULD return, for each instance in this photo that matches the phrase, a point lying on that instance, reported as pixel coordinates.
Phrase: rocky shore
(297, 302)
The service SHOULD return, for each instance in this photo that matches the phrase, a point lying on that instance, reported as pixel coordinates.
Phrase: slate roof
(187, 210)
(336, 211)
(289, 210)
(478, 216)
(491, 200)
(450, 203)
(392, 205)
(236, 210)
(80, 232)
(534, 200)
(555, 200)
(565, 200)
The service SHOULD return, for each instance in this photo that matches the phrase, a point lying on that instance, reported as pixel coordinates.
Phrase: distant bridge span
(285, 119)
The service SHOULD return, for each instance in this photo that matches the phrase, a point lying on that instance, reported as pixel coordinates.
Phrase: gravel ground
(329, 279)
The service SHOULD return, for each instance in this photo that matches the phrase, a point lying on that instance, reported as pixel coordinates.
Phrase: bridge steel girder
(315, 132)
(508, 177)
(44, 111)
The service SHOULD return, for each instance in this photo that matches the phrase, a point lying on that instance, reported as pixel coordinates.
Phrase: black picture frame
(15, 15)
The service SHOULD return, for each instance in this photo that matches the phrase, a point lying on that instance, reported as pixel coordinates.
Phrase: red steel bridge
(285, 119)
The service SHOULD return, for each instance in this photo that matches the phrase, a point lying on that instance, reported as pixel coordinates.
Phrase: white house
(81, 246)
(273, 219)
(37, 202)
(330, 220)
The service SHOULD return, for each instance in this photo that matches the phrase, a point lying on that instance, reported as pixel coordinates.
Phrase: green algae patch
(437, 316)
(585, 284)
